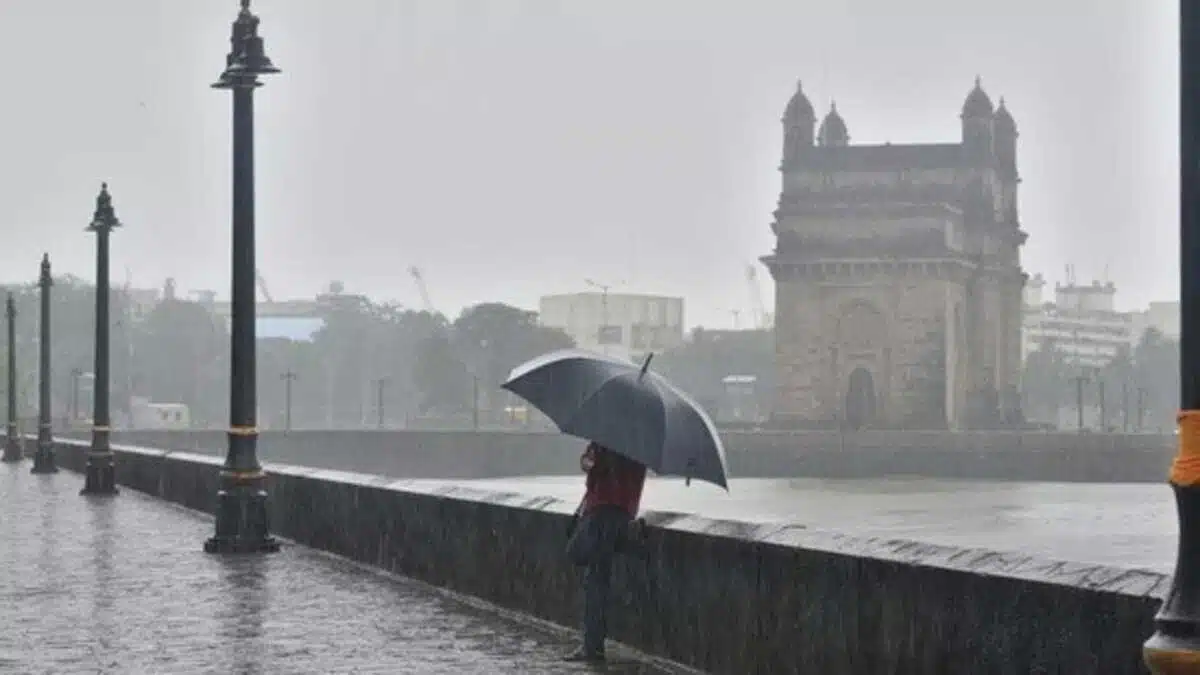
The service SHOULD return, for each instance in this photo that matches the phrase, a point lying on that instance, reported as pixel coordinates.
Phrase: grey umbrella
(627, 408)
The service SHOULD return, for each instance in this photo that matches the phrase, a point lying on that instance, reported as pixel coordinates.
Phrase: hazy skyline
(512, 148)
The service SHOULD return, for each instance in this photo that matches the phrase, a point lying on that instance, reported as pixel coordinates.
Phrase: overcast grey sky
(512, 148)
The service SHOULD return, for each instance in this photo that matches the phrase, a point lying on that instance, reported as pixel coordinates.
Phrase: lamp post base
(242, 523)
(12, 451)
(1166, 655)
(43, 460)
(100, 477)
(1174, 649)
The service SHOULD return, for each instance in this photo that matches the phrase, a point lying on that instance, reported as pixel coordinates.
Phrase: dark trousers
(599, 535)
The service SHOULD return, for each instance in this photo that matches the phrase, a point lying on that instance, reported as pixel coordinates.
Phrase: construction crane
(262, 286)
(763, 320)
(419, 278)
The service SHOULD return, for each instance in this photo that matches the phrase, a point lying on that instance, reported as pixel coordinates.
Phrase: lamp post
(380, 385)
(602, 331)
(242, 525)
(474, 402)
(1175, 646)
(76, 375)
(43, 457)
(1141, 409)
(12, 444)
(1080, 380)
(288, 378)
(1125, 406)
(100, 474)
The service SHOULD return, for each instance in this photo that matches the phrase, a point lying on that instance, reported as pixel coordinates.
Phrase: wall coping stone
(970, 561)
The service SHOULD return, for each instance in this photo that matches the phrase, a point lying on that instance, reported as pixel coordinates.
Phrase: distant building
(278, 309)
(148, 415)
(1162, 317)
(897, 274)
(1081, 322)
(142, 301)
(296, 320)
(620, 324)
(740, 400)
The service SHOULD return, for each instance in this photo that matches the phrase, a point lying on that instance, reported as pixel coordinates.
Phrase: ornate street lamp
(1174, 649)
(242, 525)
(12, 444)
(43, 457)
(100, 475)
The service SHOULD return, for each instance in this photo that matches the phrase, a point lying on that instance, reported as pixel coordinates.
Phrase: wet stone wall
(724, 597)
(1054, 457)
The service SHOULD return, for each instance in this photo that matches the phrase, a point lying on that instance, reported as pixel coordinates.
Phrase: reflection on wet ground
(1124, 525)
(121, 586)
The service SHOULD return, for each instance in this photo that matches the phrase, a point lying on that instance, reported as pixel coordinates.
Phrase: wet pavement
(1123, 525)
(121, 586)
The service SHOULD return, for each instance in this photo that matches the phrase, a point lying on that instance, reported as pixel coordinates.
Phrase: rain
(522, 336)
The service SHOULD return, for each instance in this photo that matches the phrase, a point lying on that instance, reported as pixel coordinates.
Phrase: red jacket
(614, 480)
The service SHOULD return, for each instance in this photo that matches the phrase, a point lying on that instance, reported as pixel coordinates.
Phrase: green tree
(486, 342)
(180, 352)
(493, 338)
(404, 333)
(346, 353)
(72, 306)
(1156, 374)
(360, 344)
(1046, 383)
(442, 378)
(699, 366)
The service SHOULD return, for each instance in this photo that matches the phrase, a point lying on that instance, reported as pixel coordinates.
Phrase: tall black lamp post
(100, 475)
(242, 525)
(1175, 646)
(12, 444)
(43, 457)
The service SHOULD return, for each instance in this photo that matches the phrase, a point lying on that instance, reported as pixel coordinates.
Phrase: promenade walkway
(122, 586)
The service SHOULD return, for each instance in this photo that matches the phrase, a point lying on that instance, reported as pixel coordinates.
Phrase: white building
(295, 320)
(147, 415)
(1161, 316)
(141, 301)
(1081, 322)
(620, 324)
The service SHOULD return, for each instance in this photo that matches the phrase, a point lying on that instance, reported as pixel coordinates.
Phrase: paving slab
(122, 586)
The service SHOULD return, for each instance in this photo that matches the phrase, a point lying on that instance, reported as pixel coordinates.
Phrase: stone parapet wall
(722, 596)
(1055, 457)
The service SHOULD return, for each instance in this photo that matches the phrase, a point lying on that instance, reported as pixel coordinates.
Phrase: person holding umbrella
(635, 420)
(607, 524)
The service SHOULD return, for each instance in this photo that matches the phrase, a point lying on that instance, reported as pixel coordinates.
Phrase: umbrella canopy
(624, 407)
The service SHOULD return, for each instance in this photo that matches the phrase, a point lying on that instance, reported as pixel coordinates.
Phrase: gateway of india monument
(897, 275)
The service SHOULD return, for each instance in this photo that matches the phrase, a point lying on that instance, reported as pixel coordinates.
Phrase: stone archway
(860, 403)
(862, 332)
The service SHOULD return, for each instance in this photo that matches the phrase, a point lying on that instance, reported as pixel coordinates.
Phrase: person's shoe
(581, 655)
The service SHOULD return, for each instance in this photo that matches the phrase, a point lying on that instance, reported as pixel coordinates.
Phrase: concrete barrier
(722, 596)
(1055, 457)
